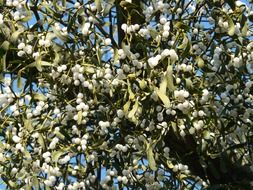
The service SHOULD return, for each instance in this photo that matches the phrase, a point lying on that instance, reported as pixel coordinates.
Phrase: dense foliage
(134, 94)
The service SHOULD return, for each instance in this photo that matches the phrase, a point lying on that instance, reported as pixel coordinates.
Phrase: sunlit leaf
(28, 124)
(56, 155)
(200, 62)
(5, 45)
(169, 76)
(98, 4)
(131, 94)
(134, 109)
(163, 85)
(164, 98)
(41, 141)
(40, 97)
(79, 118)
(126, 107)
(231, 25)
(150, 157)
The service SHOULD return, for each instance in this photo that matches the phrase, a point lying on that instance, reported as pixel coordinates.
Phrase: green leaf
(60, 135)
(56, 155)
(142, 84)
(169, 164)
(164, 98)
(130, 92)
(28, 124)
(108, 7)
(35, 183)
(200, 62)
(188, 83)
(45, 63)
(58, 7)
(150, 157)
(153, 33)
(116, 56)
(39, 96)
(59, 35)
(184, 42)
(89, 70)
(2, 62)
(98, 4)
(15, 35)
(169, 76)
(206, 134)
(41, 141)
(80, 116)
(5, 45)
(231, 25)
(245, 29)
(133, 111)
(27, 155)
(163, 85)
(126, 107)
(38, 64)
(8, 182)
(19, 80)
(181, 25)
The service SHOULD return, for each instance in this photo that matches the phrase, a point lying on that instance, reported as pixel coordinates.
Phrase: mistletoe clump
(126, 94)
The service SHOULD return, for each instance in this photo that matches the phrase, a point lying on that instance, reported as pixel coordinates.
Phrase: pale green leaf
(15, 35)
(60, 135)
(116, 56)
(163, 85)
(3, 62)
(99, 55)
(89, 70)
(41, 141)
(206, 134)
(39, 96)
(27, 155)
(56, 155)
(142, 84)
(188, 83)
(19, 80)
(150, 157)
(45, 63)
(184, 43)
(131, 94)
(98, 4)
(245, 29)
(5, 45)
(28, 124)
(231, 25)
(38, 65)
(134, 109)
(169, 76)
(153, 33)
(169, 164)
(163, 97)
(79, 118)
(35, 183)
(126, 107)
(200, 62)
